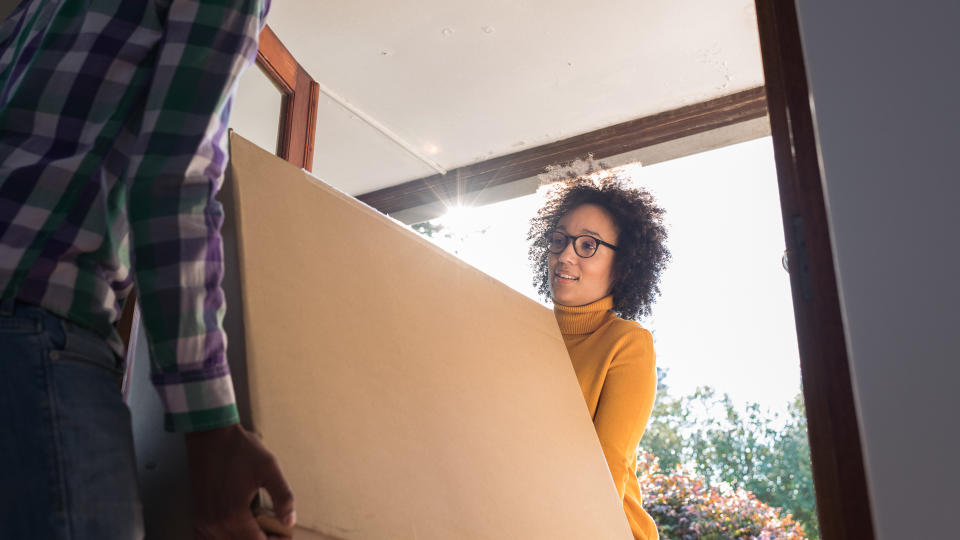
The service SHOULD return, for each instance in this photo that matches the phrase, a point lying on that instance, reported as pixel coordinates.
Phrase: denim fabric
(67, 467)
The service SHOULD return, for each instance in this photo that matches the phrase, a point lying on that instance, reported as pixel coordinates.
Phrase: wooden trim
(129, 328)
(602, 143)
(298, 116)
(300, 143)
(130, 347)
(277, 61)
(835, 450)
(311, 134)
(125, 324)
(285, 134)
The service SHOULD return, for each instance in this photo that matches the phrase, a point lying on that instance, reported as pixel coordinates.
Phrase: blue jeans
(67, 467)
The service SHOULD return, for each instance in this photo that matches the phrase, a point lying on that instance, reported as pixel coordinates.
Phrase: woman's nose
(568, 255)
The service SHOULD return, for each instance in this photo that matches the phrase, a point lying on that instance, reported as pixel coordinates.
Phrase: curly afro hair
(641, 254)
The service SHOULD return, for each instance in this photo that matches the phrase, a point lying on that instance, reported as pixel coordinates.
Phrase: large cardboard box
(406, 394)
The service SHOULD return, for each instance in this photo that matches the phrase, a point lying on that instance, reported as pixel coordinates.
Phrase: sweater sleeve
(626, 401)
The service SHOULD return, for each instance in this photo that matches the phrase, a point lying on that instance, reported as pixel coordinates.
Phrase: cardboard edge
(242, 285)
(383, 220)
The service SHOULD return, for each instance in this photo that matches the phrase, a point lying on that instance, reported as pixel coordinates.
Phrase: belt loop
(7, 306)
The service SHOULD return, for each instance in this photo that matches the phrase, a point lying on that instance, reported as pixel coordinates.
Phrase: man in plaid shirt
(112, 122)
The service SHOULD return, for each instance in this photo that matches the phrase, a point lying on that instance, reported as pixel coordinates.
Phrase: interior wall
(256, 108)
(884, 82)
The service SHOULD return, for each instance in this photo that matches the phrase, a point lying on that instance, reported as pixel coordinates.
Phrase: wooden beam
(602, 143)
(841, 486)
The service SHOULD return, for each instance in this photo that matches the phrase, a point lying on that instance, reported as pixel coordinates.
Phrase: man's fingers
(273, 527)
(227, 466)
(247, 529)
(280, 494)
(238, 528)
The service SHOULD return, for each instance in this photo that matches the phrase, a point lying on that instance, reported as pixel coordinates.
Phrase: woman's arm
(626, 401)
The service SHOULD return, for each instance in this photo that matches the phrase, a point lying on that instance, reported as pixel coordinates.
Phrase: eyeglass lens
(584, 246)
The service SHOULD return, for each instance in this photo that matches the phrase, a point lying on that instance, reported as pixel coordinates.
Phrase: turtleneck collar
(583, 319)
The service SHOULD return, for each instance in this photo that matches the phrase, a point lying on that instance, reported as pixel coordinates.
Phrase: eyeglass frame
(574, 239)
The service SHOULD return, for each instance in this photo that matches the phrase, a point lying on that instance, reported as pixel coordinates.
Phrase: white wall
(885, 79)
(256, 109)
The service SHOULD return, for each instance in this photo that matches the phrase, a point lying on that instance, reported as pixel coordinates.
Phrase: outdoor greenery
(428, 229)
(741, 458)
(452, 239)
(684, 507)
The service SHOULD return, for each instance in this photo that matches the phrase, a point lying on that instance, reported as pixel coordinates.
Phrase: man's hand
(227, 467)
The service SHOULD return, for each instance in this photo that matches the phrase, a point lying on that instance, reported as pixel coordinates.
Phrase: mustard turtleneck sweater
(615, 364)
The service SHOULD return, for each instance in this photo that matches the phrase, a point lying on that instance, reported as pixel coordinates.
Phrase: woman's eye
(588, 244)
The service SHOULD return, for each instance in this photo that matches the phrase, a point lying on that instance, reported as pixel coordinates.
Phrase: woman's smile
(561, 277)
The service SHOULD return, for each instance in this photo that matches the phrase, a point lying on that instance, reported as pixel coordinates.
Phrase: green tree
(788, 474)
(751, 449)
(428, 229)
(664, 435)
(453, 239)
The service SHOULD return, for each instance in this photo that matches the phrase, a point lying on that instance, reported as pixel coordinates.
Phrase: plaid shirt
(113, 116)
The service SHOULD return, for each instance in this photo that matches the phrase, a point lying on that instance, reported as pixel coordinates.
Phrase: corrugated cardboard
(405, 393)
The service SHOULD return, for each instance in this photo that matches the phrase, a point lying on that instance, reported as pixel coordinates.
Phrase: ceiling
(411, 89)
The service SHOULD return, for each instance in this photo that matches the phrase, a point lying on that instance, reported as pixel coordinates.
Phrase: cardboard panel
(405, 393)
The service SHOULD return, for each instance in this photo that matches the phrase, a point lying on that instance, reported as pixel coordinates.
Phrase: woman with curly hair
(598, 249)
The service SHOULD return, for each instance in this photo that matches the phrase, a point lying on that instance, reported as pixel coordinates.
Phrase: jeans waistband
(80, 338)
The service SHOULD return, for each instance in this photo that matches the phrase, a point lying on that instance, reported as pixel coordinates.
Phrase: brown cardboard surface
(405, 393)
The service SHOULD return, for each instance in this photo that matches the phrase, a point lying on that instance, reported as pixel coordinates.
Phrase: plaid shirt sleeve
(113, 116)
(176, 251)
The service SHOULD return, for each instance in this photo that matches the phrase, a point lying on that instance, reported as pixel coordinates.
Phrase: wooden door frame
(835, 448)
(836, 452)
(840, 481)
(298, 116)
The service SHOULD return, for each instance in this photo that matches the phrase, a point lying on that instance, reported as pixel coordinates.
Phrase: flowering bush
(684, 507)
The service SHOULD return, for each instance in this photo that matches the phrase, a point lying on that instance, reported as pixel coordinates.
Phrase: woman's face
(574, 280)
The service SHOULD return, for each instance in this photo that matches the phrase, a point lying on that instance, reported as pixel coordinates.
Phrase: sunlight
(459, 217)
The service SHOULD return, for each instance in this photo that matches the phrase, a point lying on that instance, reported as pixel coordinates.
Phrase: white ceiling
(458, 82)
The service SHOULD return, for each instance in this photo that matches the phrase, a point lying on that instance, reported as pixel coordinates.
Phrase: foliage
(664, 436)
(428, 229)
(760, 452)
(451, 237)
(685, 507)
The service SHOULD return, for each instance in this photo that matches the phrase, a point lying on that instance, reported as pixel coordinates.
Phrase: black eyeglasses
(584, 245)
